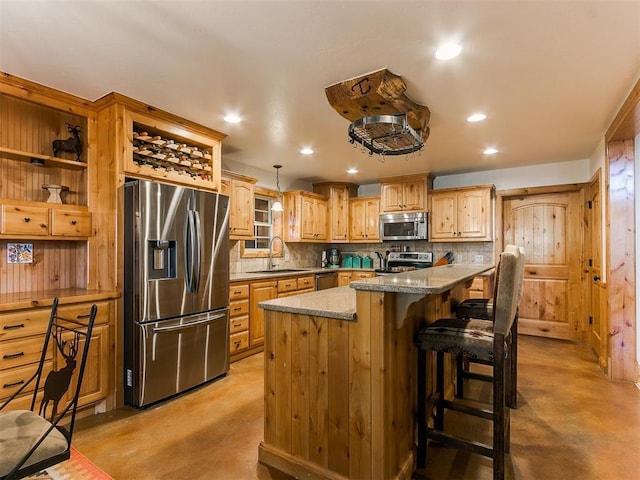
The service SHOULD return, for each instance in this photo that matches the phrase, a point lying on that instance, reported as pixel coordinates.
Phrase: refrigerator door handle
(182, 326)
(195, 281)
(188, 251)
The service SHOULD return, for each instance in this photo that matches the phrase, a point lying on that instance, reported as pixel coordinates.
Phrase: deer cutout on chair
(58, 381)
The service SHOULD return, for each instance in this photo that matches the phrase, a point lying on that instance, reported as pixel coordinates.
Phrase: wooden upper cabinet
(404, 194)
(156, 145)
(305, 218)
(339, 195)
(461, 214)
(240, 189)
(365, 219)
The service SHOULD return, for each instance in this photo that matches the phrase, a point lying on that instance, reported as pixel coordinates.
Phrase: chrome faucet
(271, 265)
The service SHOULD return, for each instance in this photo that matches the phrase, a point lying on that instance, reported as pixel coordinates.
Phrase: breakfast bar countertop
(424, 281)
(338, 303)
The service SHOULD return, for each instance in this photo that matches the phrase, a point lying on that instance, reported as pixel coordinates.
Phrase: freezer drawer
(176, 355)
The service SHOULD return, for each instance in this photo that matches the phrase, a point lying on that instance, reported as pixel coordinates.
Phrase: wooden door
(593, 268)
(320, 220)
(443, 222)
(358, 219)
(549, 227)
(259, 292)
(308, 217)
(474, 214)
(413, 194)
(241, 211)
(372, 228)
(391, 195)
(339, 214)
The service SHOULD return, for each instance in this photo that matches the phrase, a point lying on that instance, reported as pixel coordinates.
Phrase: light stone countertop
(249, 276)
(339, 303)
(425, 281)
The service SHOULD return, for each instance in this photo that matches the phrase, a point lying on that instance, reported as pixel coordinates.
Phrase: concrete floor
(571, 423)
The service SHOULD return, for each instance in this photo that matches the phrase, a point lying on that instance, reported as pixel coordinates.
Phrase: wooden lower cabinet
(21, 342)
(238, 318)
(259, 292)
(345, 277)
(246, 318)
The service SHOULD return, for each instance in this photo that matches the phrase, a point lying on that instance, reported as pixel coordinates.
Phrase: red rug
(78, 467)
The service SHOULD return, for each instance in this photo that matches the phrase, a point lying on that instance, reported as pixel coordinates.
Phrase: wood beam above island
(340, 373)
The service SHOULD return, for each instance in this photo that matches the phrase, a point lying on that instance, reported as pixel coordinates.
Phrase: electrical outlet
(287, 257)
(459, 258)
(479, 259)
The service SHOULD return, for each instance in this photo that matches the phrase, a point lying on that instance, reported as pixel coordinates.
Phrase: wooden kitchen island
(340, 373)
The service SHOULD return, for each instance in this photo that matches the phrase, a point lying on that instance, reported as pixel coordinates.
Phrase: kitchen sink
(281, 270)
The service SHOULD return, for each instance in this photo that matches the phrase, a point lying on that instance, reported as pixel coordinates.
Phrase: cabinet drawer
(287, 285)
(477, 284)
(306, 282)
(238, 341)
(236, 292)
(70, 223)
(359, 275)
(13, 378)
(24, 323)
(20, 352)
(24, 220)
(72, 311)
(238, 307)
(239, 324)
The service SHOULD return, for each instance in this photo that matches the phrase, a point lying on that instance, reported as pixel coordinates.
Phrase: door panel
(593, 260)
(548, 226)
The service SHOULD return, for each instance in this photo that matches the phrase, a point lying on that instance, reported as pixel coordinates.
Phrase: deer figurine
(71, 144)
(58, 381)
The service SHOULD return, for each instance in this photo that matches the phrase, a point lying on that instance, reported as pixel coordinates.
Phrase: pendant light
(277, 205)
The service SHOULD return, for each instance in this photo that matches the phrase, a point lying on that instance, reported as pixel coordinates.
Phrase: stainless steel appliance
(403, 226)
(176, 290)
(326, 280)
(398, 262)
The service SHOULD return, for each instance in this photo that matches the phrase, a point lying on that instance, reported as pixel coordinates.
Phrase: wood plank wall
(32, 128)
(340, 396)
(621, 277)
(56, 265)
(29, 127)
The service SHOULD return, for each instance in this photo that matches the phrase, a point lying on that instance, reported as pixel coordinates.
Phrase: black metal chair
(478, 339)
(482, 309)
(35, 439)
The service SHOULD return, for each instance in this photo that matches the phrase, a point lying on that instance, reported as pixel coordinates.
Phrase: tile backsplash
(305, 255)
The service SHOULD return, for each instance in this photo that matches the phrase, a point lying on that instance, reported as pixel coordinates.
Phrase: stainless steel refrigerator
(176, 289)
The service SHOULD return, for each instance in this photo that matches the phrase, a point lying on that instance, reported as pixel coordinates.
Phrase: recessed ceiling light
(352, 170)
(448, 51)
(232, 118)
(490, 151)
(476, 117)
(306, 151)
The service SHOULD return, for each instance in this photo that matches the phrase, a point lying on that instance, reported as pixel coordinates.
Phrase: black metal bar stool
(477, 339)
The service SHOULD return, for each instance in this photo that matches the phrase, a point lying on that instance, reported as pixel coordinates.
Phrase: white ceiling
(550, 75)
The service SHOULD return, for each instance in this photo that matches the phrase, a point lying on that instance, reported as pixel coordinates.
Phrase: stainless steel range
(398, 262)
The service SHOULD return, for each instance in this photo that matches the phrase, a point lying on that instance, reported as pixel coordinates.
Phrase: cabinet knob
(73, 222)
(27, 219)
(596, 278)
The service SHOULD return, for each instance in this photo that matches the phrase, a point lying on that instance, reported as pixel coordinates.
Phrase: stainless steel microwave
(403, 226)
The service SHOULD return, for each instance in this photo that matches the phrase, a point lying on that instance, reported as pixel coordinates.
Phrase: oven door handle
(183, 326)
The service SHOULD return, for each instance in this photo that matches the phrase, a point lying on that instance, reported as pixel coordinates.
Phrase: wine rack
(171, 156)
